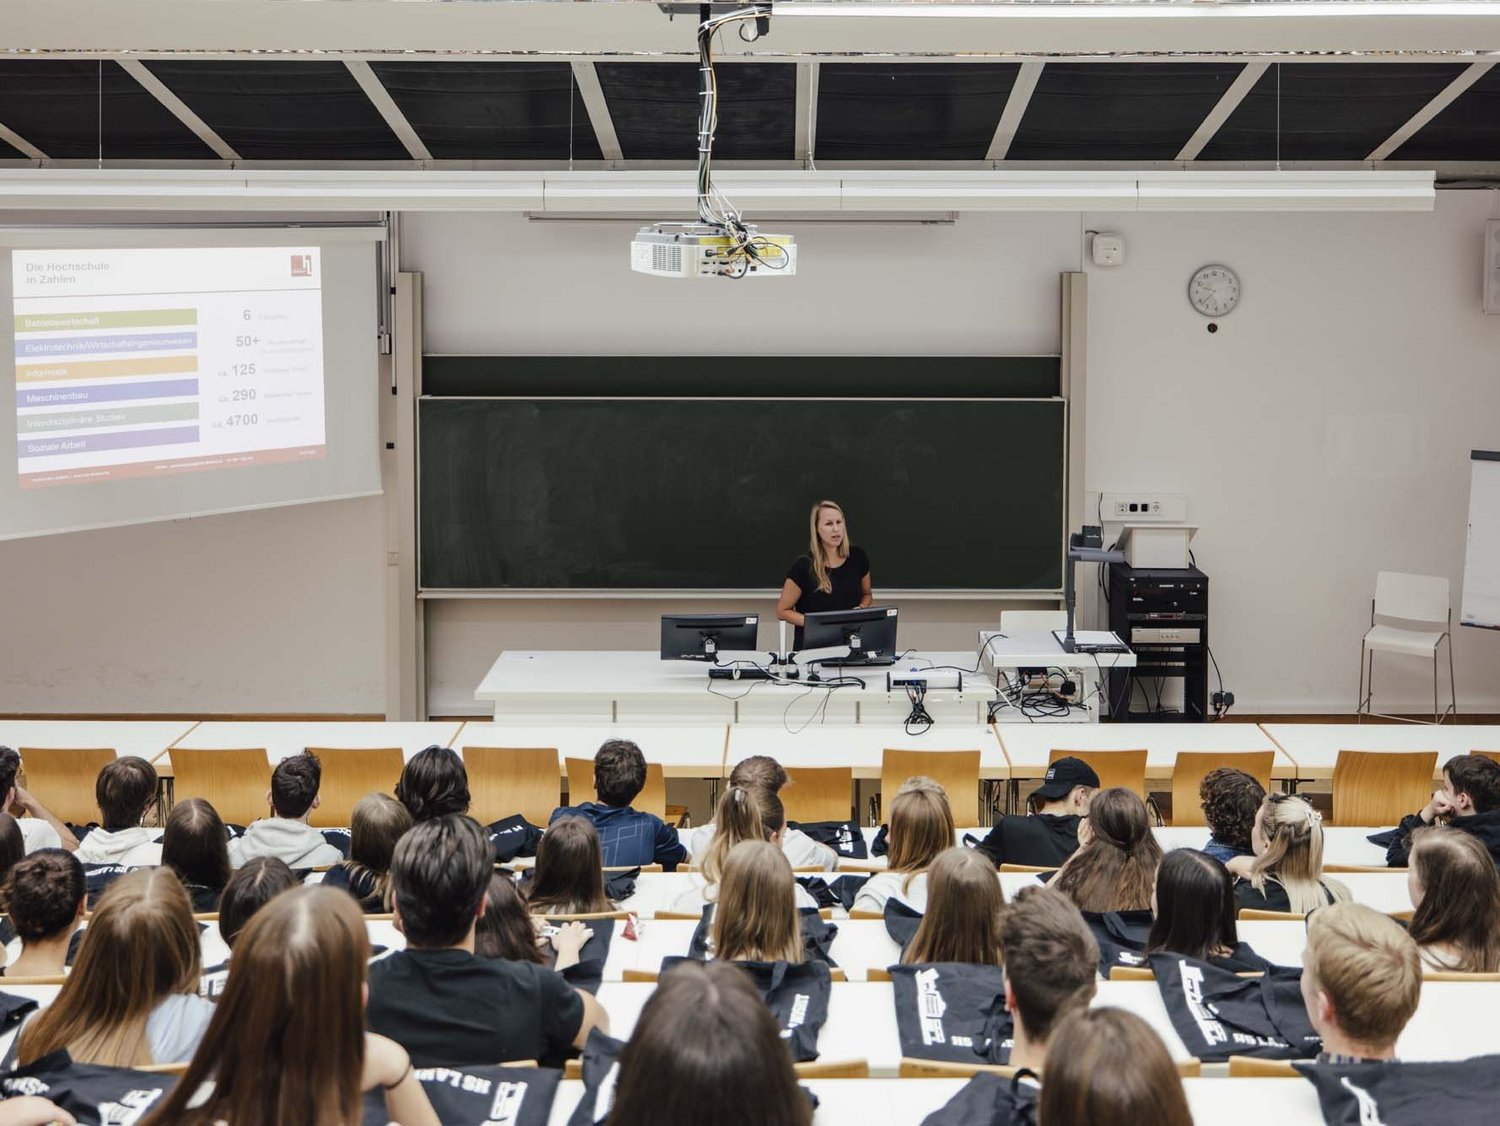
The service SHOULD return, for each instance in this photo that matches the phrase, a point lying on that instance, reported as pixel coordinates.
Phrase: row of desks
(1304, 752)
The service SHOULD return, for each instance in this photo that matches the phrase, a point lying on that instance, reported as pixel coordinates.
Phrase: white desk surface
(283, 739)
(1252, 1102)
(143, 738)
(1029, 747)
(683, 750)
(1384, 891)
(1040, 649)
(1315, 747)
(861, 746)
(860, 945)
(1342, 844)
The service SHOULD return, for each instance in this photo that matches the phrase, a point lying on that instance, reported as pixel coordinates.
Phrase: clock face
(1214, 290)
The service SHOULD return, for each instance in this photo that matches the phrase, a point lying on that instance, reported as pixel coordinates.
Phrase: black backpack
(601, 1062)
(479, 1096)
(1219, 1014)
(1121, 936)
(89, 1092)
(844, 837)
(952, 1011)
(513, 836)
(797, 994)
(901, 921)
(990, 1100)
(588, 972)
(1392, 1093)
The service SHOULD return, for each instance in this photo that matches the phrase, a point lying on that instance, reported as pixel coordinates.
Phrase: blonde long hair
(756, 919)
(745, 813)
(1293, 831)
(815, 550)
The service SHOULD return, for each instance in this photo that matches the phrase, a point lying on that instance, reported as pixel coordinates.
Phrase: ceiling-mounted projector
(699, 250)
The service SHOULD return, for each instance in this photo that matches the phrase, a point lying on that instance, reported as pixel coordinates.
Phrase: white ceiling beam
(1015, 109)
(805, 124)
(178, 108)
(1228, 102)
(386, 106)
(16, 141)
(594, 102)
(1450, 93)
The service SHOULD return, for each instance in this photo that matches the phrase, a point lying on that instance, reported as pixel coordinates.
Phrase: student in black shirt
(195, 845)
(1195, 909)
(1469, 801)
(833, 575)
(1049, 834)
(441, 1001)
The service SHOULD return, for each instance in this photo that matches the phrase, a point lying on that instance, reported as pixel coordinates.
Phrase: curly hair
(1231, 799)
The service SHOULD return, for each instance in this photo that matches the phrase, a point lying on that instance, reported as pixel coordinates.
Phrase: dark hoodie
(1485, 826)
(1041, 840)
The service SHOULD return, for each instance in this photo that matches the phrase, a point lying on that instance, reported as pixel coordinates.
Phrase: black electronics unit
(1162, 614)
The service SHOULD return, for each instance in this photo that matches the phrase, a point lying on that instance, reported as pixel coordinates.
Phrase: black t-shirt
(1041, 840)
(847, 580)
(450, 1007)
(1273, 898)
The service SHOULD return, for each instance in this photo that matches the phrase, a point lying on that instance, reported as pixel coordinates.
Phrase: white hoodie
(295, 842)
(801, 850)
(129, 848)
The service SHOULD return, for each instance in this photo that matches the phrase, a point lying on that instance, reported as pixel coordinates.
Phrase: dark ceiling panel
(1327, 111)
(493, 111)
(921, 111)
(68, 107)
(1468, 129)
(1118, 111)
(654, 107)
(283, 110)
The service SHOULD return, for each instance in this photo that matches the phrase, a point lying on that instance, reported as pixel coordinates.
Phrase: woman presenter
(833, 575)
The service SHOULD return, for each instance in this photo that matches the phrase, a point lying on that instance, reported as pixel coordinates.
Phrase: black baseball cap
(1062, 776)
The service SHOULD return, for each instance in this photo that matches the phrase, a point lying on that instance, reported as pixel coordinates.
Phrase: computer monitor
(702, 637)
(869, 632)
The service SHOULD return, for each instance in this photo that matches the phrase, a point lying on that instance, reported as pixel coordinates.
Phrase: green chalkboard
(667, 493)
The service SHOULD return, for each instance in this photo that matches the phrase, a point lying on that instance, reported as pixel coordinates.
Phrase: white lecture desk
(283, 739)
(1029, 748)
(143, 738)
(638, 686)
(1386, 892)
(1315, 747)
(1342, 844)
(683, 750)
(860, 747)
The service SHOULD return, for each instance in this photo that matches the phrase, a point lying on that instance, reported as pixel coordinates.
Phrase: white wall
(1321, 435)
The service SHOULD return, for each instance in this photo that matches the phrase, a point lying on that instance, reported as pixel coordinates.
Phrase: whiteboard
(1481, 605)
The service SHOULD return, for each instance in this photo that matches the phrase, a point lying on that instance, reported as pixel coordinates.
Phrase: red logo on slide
(302, 265)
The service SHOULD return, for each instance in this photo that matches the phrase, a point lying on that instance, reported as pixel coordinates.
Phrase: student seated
(762, 772)
(287, 1041)
(756, 918)
(508, 930)
(706, 1049)
(434, 783)
(744, 814)
(1361, 980)
(921, 827)
(40, 829)
(627, 837)
(1048, 834)
(964, 908)
(195, 845)
(44, 897)
(1194, 911)
(1455, 890)
(1230, 799)
(1106, 1067)
(1286, 873)
(251, 887)
(125, 793)
(1114, 868)
(441, 1001)
(12, 843)
(376, 824)
(1469, 800)
(132, 997)
(568, 878)
(286, 834)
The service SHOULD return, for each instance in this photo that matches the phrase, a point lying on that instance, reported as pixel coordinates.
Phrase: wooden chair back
(1125, 769)
(912, 1068)
(235, 782)
(833, 1069)
(651, 799)
(508, 780)
(1032, 868)
(1452, 975)
(678, 916)
(875, 973)
(63, 778)
(835, 973)
(1256, 915)
(584, 917)
(1192, 767)
(608, 868)
(1131, 973)
(1380, 787)
(861, 913)
(349, 773)
(163, 1068)
(819, 794)
(1250, 1067)
(957, 772)
(40, 979)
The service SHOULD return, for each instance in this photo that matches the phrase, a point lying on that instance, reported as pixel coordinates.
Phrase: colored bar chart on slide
(149, 362)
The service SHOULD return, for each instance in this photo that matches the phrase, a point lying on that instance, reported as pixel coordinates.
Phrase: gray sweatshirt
(295, 842)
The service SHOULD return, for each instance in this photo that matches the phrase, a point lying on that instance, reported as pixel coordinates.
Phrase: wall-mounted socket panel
(1143, 508)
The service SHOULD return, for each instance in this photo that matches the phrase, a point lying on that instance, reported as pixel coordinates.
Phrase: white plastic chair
(1421, 601)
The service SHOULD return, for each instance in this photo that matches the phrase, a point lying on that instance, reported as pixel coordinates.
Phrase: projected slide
(137, 362)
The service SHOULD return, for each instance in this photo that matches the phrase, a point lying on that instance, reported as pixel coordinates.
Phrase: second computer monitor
(870, 633)
(702, 637)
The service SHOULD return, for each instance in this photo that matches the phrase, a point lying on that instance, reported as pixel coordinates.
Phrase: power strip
(924, 678)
